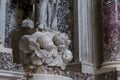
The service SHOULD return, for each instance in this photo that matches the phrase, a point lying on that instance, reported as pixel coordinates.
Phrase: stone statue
(64, 55)
(46, 48)
(46, 12)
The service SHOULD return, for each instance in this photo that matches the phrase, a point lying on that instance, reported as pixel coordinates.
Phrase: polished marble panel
(111, 29)
(6, 61)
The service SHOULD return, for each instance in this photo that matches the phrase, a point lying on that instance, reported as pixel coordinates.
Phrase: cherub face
(67, 56)
(61, 40)
(61, 47)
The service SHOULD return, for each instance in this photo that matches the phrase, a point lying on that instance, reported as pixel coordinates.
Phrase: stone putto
(46, 48)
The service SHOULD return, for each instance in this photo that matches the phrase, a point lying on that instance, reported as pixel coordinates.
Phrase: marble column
(111, 33)
(83, 35)
(2, 20)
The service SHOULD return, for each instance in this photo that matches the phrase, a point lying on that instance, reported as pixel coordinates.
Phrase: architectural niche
(95, 48)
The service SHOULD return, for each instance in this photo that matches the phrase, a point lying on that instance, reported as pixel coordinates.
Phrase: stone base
(49, 77)
(111, 64)
(108, 74)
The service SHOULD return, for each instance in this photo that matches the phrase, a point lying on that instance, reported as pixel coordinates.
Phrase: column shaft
(111, 32)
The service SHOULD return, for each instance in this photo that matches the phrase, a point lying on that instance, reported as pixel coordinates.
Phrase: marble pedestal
(109, 71)
(49, 77)
(108, 74)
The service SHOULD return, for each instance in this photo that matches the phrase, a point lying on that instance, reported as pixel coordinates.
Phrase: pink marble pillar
(111, 30)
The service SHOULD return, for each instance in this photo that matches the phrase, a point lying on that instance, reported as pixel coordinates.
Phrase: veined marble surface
(111, 29)
(6, 58)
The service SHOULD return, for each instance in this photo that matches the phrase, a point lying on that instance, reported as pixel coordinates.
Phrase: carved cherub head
(67, 56)
(61, 40)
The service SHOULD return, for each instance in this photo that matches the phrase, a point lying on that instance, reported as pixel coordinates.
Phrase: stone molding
(10, 75)
(111, 64)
